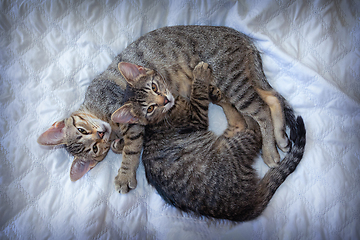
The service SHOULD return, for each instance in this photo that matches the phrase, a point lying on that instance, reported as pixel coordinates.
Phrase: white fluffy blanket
(51, 50)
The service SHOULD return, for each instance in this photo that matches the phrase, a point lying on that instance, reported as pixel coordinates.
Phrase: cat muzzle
(101, 134)
(168, 102)
(104, 132)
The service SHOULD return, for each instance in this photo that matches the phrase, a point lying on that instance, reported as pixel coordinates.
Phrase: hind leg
(258, 119)
(236, 121)
(278, 119)
(252, 105)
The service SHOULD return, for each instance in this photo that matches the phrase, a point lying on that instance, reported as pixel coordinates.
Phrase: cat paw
(202, 71)
(271, 157)
(117, 146)
(283, 143)
(215, 94)
(125, 182)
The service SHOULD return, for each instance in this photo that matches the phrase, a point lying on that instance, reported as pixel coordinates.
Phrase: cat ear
(124, 115)
(79, 167)
(54, 135)
(131, 71)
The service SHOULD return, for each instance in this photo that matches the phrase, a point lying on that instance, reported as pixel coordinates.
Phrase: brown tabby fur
(191, 167)
(174, 52)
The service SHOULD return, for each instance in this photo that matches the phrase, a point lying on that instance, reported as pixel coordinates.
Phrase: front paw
(117, 146)
(202, 71)
(124, 182)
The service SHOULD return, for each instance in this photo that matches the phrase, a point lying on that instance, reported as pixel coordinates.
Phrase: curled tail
(276, 176)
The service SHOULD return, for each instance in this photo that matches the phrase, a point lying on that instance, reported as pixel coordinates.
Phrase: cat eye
(150, 109)
(95, 148)
(82, 131)
(154, 87)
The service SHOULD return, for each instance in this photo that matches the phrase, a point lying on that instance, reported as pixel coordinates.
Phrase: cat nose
(166, 101)
(101, 134)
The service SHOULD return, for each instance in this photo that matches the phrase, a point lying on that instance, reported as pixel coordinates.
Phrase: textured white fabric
(51, 50)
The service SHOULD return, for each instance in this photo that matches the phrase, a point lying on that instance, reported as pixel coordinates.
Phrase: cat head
(149, 97)
(84, 136)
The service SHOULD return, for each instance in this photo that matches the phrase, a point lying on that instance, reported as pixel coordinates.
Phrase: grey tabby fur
(89, 132)
(191, 167)
(174, 52)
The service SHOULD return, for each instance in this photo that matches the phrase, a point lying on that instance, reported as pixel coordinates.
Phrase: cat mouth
(169, 103)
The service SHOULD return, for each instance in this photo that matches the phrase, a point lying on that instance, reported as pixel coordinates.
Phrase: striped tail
(276, 176)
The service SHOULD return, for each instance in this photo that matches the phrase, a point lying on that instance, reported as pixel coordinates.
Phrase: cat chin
(171, 102)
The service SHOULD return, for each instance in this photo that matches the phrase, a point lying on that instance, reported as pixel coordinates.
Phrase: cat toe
(125, 182)
(202, 65)
(122, 189)
(202, 70)
(132, 184)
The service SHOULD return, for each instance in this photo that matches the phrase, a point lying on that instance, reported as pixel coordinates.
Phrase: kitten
(174, 52)
(89, 132)
(191, 167)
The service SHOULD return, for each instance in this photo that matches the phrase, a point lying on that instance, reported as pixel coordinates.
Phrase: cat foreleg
(133, 143)
(199, 98)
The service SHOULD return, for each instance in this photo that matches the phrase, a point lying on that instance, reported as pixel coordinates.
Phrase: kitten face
(150, 97)
(153, 98)
(86, 137)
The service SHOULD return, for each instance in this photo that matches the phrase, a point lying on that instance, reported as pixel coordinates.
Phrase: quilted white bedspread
(51, 50)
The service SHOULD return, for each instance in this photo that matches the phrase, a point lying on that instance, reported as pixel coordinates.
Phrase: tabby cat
(174, 52)
(89, 133)
(191, 167)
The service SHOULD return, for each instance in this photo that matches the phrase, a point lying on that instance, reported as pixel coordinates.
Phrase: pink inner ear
(131, 71)
(123, 115)
(54, 135)
(79, 167)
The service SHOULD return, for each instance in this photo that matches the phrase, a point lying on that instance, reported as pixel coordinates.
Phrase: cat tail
(276, 176)
(290, 119)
